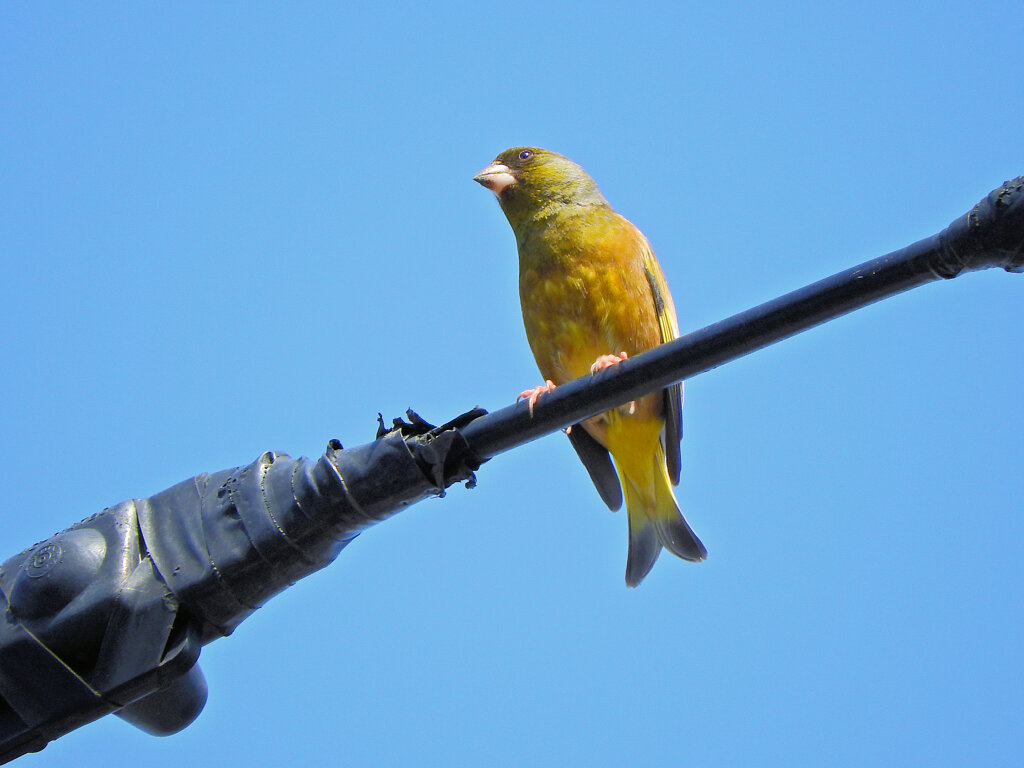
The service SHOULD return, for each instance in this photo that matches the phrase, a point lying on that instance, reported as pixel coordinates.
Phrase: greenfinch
(592, 294)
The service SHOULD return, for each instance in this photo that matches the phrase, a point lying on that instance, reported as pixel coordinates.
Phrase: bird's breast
(583, 297)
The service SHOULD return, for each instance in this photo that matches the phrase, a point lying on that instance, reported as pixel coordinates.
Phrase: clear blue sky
(231, 227)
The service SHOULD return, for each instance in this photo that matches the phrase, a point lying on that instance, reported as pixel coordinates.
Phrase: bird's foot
(607, 361)
(532, 395)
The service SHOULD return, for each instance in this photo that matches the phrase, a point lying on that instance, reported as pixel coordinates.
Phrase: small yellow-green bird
(592, 294)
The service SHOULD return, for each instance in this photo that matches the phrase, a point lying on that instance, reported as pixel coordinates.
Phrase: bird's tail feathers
(656, 523)
(674, 533)
(644, 543)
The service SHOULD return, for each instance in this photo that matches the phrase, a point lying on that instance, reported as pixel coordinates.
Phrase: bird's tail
(655, 522)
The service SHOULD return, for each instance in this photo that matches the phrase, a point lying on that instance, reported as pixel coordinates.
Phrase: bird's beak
(496, 177)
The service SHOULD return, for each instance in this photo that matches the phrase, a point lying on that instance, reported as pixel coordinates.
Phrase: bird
(593, 294)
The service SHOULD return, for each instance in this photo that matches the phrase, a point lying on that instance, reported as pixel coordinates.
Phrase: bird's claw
(607, 361)
(532, 395)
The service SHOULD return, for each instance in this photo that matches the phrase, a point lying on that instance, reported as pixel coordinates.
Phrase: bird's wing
(673, 395)
(598, 461)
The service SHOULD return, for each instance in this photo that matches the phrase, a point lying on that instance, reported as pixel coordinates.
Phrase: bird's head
(530, 182)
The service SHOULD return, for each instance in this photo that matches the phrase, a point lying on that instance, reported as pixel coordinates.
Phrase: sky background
(234, 227)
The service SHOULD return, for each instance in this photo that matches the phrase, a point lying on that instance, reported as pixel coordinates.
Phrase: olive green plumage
(592, 293)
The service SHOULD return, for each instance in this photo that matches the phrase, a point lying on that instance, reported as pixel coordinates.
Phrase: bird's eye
(525, 154)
